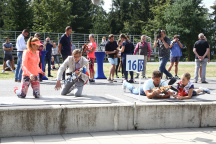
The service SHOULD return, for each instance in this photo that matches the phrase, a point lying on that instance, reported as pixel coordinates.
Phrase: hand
(157, 91)
(118, 49)
(58, 85)
(180, 97)
(114, 51)
(175, 40)
(32, 77)
(43, 73)
(77, 72)
(208, 60)
(156, 38)
(161, 38)
(148, 58)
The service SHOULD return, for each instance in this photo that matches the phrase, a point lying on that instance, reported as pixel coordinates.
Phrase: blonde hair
(187, 76)
(31, 39)
(77, 51)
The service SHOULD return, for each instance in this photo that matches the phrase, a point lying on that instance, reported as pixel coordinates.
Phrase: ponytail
(124, 36)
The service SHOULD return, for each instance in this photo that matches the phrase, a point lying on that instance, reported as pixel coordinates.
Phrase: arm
(181, 46)
(122, 49)
(209, 57)
(206, 53)
(195, 52)
(136, 49)
(59, 47)
(11, 49)
(188, 96)
(62, 68)
(92, 49)
(165, 44)
(149, 50)
(5, 49)
(23, 44)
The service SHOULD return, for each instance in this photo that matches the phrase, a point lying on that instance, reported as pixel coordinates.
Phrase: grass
(210, 71)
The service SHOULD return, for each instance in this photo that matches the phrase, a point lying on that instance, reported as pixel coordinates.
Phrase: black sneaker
(205, 82)
(50, 76)
(172, 81)
(137, 76)
(131, 81)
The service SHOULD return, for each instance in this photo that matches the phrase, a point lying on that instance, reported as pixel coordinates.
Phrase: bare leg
(113, 71)
(176, 68)
(198, 91)
(12, 64)
(4, 64)
(170, 67)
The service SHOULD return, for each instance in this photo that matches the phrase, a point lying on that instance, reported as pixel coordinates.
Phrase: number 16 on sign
(134, 63)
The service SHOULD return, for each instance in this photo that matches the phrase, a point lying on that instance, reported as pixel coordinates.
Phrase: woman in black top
(125, 50)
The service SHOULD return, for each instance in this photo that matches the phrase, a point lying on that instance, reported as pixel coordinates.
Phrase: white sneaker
(123, 86)
(3, 71)
(205, 90)
(13, 71)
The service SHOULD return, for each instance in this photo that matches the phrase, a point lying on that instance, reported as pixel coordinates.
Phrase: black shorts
(8, 57)
(194, 93)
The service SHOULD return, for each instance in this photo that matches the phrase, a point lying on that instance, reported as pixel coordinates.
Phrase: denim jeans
(162, 67)
(197, 67)
(124, 67)
(134, 90)
(18, 72)
(47, 60)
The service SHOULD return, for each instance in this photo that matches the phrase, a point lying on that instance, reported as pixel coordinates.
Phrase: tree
(18, 15)
(186, 18)
(51, 15)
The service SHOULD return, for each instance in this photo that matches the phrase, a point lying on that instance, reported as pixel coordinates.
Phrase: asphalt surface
(100, 92)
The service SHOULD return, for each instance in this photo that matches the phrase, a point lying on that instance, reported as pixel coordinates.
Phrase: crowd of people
(29, 68)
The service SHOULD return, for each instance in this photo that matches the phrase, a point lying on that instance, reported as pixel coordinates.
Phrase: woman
(125, 49)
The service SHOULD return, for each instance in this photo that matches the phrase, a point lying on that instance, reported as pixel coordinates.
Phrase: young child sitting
(53, 64)
(186, 88)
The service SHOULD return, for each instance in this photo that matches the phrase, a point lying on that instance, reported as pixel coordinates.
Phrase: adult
(176, 53)
(144, 49)
(200, 70)
(73, 63)
(21, 46)
(110, 50)
(64, 46)
(55, 53)
(48, 47)
(8, 48)
(125, 49)
(201, 50)
(163, 43)
(37, 35)
(150, 87)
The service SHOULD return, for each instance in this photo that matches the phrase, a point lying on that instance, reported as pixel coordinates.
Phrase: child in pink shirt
(91, 56)
(31, 69)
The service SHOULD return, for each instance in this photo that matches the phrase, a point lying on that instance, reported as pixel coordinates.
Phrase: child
(186, 88)
(91, 56)
(31, 70)
(52, 63)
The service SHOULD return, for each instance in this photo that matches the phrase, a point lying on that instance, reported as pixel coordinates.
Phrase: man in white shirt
(21, 46)
(150, 87)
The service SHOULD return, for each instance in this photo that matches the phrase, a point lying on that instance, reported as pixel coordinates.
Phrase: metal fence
(78, 39)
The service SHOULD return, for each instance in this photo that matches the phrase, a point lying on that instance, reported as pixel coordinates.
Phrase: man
(150, 87)
(37, 35)
(201, 50)
(8, 48)
(175, 54)
(144, 49)
(21, 46)
(64, 46)
(48, 47)
(73, 63)
(163, 43)
(110, 50)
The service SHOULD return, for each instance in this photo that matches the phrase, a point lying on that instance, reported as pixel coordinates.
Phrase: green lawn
(210, 72)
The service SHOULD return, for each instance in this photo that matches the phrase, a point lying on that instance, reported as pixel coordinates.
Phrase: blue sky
(206, 3)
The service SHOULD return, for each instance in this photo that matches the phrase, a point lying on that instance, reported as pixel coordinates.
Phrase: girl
(119, 60)
(91, 56)
(30, 67)
(186, 88)
(125, 50)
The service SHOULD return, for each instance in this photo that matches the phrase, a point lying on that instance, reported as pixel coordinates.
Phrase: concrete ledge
(42, 120)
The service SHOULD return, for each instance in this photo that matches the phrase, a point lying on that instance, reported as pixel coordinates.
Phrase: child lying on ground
(186, 88)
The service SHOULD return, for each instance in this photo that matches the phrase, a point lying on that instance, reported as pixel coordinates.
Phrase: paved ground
(160, 136)
(100, 92)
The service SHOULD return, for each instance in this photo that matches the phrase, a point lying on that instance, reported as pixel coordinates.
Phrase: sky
(206, 3)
